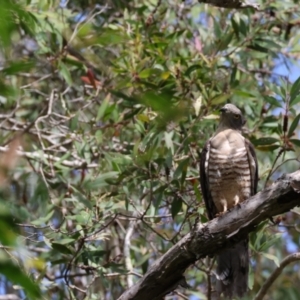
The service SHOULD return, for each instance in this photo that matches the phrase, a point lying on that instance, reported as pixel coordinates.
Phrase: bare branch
(207, 239)
(127, 244)
(44, 158)
(9, 297)
(289, 259)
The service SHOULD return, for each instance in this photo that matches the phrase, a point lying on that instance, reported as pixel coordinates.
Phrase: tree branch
(9, 297)
(207, 239)
(289, 259)
(44, 158)
(127, 244)
(230, 3)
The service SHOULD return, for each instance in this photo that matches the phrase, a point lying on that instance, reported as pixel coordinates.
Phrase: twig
(287, 160)
(42, 117)
(94, 234)
(36, 81)
(107, 275)
(289, 259)
(9, 297)
(126, 252)
(68, 267)
(181, 295)
(79, 25)
(274, 163)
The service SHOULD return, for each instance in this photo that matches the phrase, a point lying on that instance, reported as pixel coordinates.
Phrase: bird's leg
(236, 200)
(222, 207)
(221, 213)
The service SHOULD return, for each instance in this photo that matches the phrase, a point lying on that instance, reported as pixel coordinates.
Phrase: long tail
(232, 270)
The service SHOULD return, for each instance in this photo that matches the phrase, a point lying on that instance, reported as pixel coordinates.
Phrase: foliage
(105, 107)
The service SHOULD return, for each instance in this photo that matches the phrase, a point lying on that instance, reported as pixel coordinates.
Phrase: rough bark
(230, 3)
(207, 239)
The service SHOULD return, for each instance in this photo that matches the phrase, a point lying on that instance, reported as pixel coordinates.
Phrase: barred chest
(228, 169)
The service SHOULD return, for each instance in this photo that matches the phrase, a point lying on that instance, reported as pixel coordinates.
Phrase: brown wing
(210, 206)
(254, 173)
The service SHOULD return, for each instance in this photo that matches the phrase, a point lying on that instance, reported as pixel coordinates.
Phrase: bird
(229, 176)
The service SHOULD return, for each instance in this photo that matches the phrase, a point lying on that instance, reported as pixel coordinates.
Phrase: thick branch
(207, 239)
(289, 259)
(230, 3)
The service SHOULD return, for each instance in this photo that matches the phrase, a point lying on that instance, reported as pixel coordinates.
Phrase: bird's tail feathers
(232, 270)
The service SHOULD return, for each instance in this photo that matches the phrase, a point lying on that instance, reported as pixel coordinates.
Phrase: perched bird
(228, 176)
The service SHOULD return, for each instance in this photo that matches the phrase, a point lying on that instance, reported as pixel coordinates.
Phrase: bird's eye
(236, 116)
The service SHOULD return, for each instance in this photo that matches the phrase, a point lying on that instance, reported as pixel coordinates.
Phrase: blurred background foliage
(105, 106)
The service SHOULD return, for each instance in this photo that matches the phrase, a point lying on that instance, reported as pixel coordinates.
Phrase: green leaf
(251, 278)
(62, 158)
(258, 48)
(245, 94)
(273, 101)
(220, 99)
(192, 69)
(271, 257)
(295, 142)
(267, 148)
(271, 241)
(61, 248)
(14, 274)
(111, 37)
(74, 122)
(82, 199)
(100, 181)
(257, 236)
(176, 206)
(295, 100)
(16, 67)
(43, 220)
(8, 228)
(293, 126)
(66, 241)
(235, 27)
(143, 117)
(225, 41)
(267, 43)
(65, 73)
(158, 102)
(265, 141)
(11, 14)
(243, 27)
(125, 97)
(145, 73)
(93, 255)
(103, 107)
(295, 89)
(181, 170)
(197, 192)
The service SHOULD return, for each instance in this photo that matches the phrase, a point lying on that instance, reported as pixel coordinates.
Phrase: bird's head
(231, 117)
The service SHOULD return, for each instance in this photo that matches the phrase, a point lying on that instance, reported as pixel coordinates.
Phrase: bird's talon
(220, 214)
